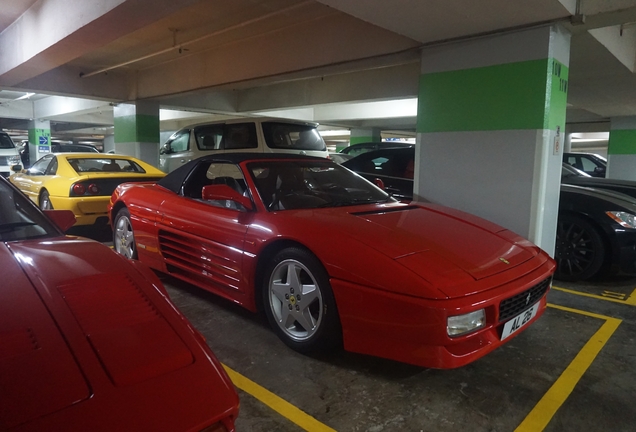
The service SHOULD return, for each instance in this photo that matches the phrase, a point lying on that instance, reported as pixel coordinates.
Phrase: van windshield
(6, 142)
(292, 136)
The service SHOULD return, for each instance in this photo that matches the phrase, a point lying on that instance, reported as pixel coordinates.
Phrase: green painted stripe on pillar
(511, 96)
(360, 139)
(622, 141)
(137, 128)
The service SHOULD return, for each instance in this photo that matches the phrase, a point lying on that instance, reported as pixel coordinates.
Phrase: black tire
(123, 235)
(305, 319)
(45, 200)
(580, 249)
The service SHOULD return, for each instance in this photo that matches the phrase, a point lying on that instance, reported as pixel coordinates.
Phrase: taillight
(79, 189)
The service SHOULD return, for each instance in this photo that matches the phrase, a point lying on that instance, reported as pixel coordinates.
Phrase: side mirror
(599, 170)
(16, 168)
(224, 192)
(64, 219)
(165, 149)
(379, 183)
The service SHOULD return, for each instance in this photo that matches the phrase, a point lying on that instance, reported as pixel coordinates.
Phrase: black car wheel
(45, 201)
(580, 250)
(299, 303)
(123, 236)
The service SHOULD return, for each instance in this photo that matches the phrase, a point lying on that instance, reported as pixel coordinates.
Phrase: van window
(209, 137)
(292, 136)
(6, 142)
(179, 143)
(239, 136)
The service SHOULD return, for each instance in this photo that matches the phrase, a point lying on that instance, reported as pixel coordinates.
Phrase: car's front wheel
(580, 250)
(299, 303)
(123, 235)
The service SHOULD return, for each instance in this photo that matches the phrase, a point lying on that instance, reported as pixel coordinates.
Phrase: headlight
(460, 324)
(624, 219)
(13, 160)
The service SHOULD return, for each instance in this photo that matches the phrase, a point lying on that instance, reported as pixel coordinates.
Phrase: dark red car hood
(38, 372)
(72, 311)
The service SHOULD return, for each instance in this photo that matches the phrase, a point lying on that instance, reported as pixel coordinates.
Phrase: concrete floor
(573, 370)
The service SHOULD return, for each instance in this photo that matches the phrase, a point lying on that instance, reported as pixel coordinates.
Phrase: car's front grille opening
(513, 306)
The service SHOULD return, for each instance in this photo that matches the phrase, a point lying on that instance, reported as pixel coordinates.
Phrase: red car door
(203, 243)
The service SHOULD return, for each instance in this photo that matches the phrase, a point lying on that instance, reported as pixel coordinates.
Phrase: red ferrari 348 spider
(89, 341)
(333, 259)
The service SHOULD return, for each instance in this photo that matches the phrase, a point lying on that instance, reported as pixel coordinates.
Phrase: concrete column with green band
(490, 128)
(137, 130)
(621, 150)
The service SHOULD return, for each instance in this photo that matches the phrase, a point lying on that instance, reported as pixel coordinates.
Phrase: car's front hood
(74, 304)
(458, 240)
(38, 373)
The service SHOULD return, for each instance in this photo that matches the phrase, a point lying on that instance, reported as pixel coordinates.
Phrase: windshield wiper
(12, 226)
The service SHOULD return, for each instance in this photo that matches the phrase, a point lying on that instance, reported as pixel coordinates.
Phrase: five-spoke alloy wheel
(123, 236)
(299, 303)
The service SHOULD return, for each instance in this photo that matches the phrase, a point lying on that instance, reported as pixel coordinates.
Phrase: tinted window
(6, 142)
(209, 137)
(19, 217)
(81, 165)
(239, 136)
(292, 136)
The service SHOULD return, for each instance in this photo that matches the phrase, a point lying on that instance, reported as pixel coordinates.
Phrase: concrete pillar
(137, 130)
(365, 135)
(491, 119)
(621, 149)
(39, 139)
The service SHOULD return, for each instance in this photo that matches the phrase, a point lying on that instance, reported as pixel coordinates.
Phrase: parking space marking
(545, 409)
(278, 404)
(631, 300)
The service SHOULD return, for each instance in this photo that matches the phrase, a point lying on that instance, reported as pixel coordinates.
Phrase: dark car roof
(174, 180)
(614, 199)
(375, 145)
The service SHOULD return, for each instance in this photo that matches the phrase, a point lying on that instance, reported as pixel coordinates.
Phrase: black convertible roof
(174, 180)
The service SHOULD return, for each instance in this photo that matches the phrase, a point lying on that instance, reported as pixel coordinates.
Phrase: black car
(389, 168)
(360, 148)
(573, 176)
(596, 228)
(590, 163)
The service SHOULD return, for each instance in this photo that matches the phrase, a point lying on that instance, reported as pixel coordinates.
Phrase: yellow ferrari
(81, 182)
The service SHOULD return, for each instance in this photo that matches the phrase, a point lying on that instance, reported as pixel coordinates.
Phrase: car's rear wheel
(580, 250)
(123, 235)
(299, 303)
(45, 200)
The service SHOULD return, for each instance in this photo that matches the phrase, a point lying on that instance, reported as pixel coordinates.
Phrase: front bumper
(413, 330)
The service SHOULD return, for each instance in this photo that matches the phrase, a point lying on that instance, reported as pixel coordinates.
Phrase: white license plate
(520, 321)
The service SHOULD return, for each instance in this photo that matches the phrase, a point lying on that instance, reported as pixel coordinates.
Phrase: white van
(259, 135)
(9, 156)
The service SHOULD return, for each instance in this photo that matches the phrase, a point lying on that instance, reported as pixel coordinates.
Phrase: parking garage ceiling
(306, 58)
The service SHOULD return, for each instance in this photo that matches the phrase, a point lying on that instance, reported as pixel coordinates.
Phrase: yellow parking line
(631, 300)
(545, 409)
(276, 403)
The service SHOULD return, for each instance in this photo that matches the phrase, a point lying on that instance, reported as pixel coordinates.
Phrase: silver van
(9, 156)
(259, 135)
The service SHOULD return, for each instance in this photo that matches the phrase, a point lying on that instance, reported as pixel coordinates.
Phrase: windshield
(312, 184)
(6, 142)
(20, 219)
